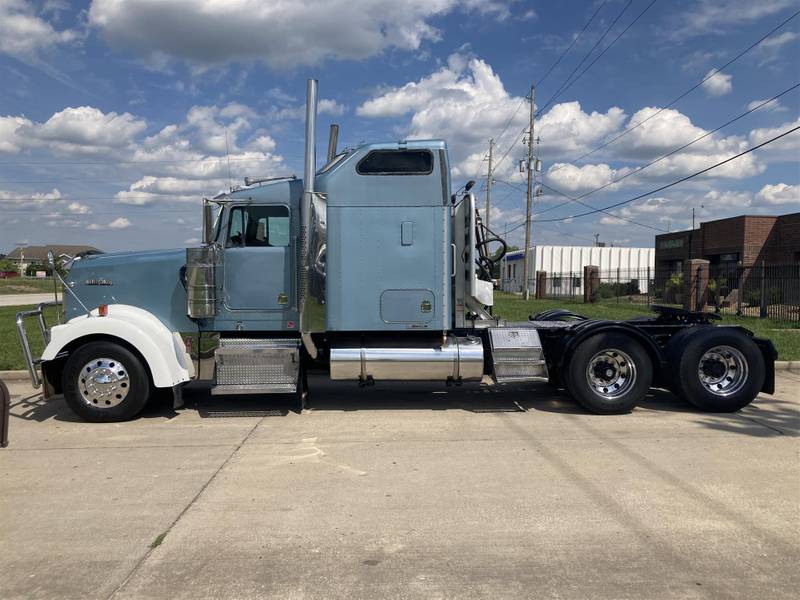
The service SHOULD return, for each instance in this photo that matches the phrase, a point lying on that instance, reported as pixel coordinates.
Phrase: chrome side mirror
(51, 260)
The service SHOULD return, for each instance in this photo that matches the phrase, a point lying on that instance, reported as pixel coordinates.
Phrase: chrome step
(517, 355)
(256, 366)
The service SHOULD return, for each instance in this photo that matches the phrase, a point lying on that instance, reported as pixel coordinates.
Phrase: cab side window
(259, 226)
(396, 162)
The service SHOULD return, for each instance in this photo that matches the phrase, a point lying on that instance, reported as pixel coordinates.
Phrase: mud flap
(770, 354)
(5, 414)
(177, 397)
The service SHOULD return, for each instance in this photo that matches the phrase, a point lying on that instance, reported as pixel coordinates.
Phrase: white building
(562, 262)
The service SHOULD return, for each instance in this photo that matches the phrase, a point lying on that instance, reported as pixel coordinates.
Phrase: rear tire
(718, 369)
(609, 373)
(104, 382)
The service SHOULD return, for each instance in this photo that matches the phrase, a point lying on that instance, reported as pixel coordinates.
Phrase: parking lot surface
(402, 491)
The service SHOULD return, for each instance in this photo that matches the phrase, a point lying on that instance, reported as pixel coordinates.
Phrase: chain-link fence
(759, 290)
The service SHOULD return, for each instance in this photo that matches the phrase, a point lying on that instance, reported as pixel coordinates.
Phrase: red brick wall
(724, 236)
(760, 239)
(788, 236)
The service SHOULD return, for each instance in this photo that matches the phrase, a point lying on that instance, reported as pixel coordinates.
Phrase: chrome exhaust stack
(312, 223)
(333, 141)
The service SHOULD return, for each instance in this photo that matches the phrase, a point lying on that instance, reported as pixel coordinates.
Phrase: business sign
(670, 244)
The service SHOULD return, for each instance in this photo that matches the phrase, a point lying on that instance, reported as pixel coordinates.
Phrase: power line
(499, 137)
(676, 150)
(674, 183)
(610, 214)
(599, 56)
(586, 56)
(711, 74)
(133, 162)
(586, 204)
(574, 41)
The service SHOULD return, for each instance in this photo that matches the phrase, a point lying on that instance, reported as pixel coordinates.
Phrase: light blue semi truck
(368, 269)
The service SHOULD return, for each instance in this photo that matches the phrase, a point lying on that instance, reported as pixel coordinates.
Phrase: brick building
(745, 240)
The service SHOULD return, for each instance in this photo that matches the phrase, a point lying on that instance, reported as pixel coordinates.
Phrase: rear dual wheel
(719, 369)
(609, 373)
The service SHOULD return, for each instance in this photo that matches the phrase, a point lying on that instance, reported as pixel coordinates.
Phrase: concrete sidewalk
(403, 491)
(25, 299)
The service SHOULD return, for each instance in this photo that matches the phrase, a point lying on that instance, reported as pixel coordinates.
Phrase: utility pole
(596, 240)
(525, 290)
(489, 185)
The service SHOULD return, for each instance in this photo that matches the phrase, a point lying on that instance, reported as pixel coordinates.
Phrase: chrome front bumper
(30, 361)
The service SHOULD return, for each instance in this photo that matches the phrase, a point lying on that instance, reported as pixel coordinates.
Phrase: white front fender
(162, 349)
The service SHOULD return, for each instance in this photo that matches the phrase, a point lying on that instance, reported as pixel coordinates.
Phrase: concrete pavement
(25, 299)
(405, 491)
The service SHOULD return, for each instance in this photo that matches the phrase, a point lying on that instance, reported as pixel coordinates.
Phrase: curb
(787, 365)
(780, 365)
(15, 375)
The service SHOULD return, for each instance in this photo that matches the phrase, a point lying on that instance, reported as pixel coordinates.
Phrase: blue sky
(114, 116)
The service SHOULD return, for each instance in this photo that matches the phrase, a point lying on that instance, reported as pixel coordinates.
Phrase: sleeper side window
(259, 226)
(396, 162)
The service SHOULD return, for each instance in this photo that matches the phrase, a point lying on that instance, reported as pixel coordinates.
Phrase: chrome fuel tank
(459, 358)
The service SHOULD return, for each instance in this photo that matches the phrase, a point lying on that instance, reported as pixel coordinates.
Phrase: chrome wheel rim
(722, 370)
(103, 382)
(611, 374)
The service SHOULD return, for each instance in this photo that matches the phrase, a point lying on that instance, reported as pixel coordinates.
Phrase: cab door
(257, 264)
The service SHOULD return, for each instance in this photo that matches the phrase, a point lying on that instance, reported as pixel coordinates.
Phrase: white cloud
(786, 148)
(716, 16)
(281, 33)
(774, 106)
(118, 223)
(36, 199)
(779, 193)
(718, 84)
(771, 48)
(572, 178)
(24, 35)
(83, 130)
(78, 209)
(466, 103)
(10, 139)
(86, 127)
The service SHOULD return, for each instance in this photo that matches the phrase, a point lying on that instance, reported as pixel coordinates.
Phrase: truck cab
(366, 269)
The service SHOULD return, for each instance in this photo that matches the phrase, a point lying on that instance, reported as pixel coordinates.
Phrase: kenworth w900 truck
(368, 269)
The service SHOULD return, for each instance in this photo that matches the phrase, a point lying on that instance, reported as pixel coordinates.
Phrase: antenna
(228, 156)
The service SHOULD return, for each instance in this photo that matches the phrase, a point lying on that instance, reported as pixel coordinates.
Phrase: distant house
(27, 255)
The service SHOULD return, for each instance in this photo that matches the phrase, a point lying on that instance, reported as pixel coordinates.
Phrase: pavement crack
(186, 508)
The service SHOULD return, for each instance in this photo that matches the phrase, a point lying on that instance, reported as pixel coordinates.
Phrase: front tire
(105, 382)
(719, 369)
(609, 373)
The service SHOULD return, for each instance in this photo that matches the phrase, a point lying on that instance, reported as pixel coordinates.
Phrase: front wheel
(105, 382)
(609, 373)
(719, 369)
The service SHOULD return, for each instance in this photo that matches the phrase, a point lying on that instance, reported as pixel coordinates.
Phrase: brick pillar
(591, 283)
(695, 282)
(541, 284)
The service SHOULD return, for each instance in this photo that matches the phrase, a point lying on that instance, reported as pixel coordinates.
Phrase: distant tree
(7, 265)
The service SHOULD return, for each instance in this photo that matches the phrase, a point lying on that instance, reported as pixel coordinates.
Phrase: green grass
(26, 285)
(10, 349)
(785, 336)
